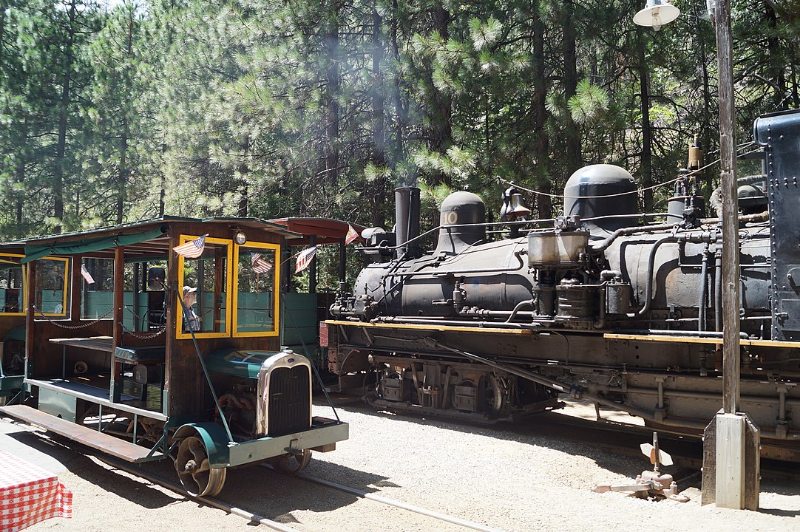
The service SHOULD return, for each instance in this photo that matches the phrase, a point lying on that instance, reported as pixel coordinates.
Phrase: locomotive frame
(113, 363)
(606, 308)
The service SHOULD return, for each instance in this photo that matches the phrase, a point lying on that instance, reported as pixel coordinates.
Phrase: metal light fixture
(240, 238)
(656, 13)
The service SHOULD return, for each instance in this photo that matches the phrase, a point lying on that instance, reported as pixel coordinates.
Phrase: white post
(730, 467)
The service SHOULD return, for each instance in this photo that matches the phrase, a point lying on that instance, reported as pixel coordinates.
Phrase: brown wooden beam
(730, 213)
(119, 285)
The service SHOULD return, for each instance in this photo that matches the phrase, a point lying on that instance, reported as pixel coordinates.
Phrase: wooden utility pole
(730, 212)
(731, 441)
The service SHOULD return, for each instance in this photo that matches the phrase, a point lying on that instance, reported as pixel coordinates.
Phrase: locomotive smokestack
(406, 215)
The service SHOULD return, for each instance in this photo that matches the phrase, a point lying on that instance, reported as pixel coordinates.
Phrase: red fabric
(29, 494)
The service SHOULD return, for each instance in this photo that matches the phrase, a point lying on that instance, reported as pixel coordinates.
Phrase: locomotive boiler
(601, 303)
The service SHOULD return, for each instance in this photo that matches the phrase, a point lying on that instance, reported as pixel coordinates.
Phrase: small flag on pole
(259, 263)
(304, 258)
(192, 249)
(351, 235)
(86, 275)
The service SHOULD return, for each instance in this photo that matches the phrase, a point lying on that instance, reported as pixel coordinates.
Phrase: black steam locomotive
(599, 305)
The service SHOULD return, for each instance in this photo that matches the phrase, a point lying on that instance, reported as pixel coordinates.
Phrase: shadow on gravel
(615, 451)
(71, 455)
(257, 489)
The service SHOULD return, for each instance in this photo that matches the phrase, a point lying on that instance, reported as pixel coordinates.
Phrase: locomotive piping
(648, 287)
(518, 307)
(701, 305)
(718, 291)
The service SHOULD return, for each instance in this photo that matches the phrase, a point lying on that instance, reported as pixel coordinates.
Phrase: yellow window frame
(179, 332)
(24, 282)
(276, 303)
(64, 289)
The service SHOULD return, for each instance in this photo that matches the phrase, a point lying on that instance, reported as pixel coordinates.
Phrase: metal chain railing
(61, 325)
(144, 335)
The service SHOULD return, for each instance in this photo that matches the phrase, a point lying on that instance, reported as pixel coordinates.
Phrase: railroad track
(221, 504)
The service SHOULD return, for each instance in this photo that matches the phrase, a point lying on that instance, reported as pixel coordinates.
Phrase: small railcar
(147, 353)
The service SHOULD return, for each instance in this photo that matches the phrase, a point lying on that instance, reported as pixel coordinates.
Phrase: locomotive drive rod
(536, 378)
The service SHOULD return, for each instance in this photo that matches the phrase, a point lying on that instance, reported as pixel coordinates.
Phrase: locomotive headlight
(371, 359)
(240, 238)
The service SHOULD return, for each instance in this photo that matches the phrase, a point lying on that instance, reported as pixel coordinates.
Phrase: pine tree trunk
(647, 138)
(397, 94)
(705, 127)
(572, 133)
(63, 113)
(441, 130)
(2, 28)
(331, 48)
(378, 131)
(244, 190)
(124, 170)
(541, 146)
(775, 58)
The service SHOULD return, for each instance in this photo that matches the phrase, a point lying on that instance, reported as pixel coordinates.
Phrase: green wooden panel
(299, 320)
(52, 301)
(254, 313)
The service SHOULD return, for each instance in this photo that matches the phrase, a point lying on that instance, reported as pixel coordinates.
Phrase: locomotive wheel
(292, 463)
(194, 471)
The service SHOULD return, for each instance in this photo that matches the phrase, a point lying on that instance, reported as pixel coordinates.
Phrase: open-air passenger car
(146, 353)
(12, 321)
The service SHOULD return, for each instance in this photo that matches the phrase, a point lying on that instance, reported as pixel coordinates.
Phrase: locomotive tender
(597, 306)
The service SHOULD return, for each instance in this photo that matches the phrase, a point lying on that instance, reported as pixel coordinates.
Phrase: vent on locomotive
(284, 395)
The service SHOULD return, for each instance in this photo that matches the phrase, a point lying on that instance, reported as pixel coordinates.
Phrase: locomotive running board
(697, 340)
(91, 438)
(431, 327)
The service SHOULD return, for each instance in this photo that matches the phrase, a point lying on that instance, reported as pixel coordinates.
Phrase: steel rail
(397, 503)
(209, 501)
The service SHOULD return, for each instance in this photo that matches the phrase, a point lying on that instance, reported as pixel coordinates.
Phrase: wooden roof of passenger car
(326, 230)
(144, 239)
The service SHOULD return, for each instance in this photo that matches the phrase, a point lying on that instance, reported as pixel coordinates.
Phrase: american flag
(86, 275)
(259, 263)
(304, 258)
(351, 235)
(191, 249)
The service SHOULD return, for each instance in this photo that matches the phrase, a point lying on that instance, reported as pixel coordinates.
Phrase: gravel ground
(511, 478)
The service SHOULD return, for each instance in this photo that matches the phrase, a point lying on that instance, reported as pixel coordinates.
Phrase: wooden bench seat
(89, 437)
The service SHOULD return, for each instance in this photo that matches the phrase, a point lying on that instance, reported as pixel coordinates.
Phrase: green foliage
(271, 109)
(589, 102)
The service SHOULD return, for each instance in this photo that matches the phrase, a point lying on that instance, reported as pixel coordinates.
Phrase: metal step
(92, 438)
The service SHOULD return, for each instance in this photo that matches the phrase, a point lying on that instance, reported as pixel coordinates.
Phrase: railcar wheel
(292, 463)
(194, 471)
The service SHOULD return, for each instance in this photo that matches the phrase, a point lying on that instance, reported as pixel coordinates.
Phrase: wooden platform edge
(122, 449)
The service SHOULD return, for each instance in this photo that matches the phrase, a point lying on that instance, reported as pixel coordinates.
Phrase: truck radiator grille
(289, 401)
